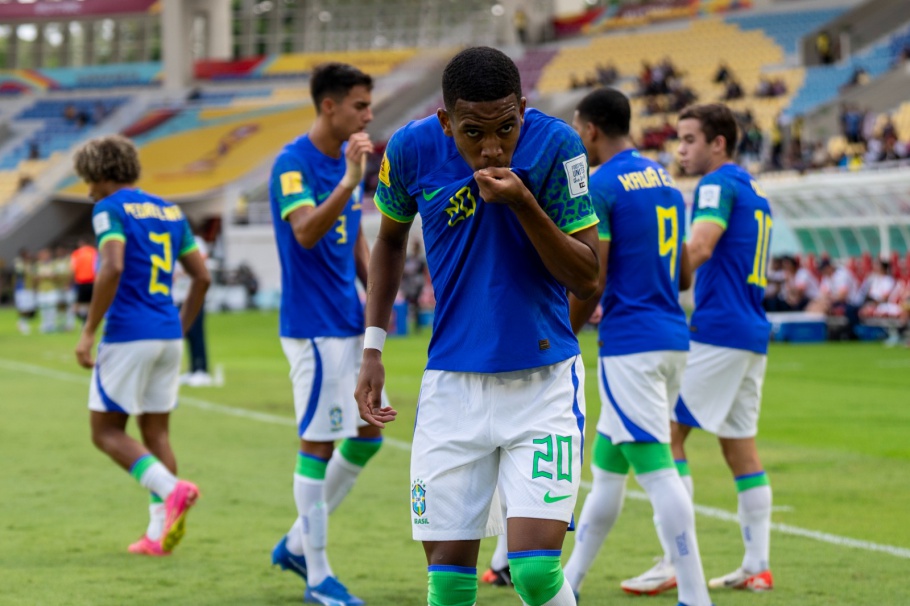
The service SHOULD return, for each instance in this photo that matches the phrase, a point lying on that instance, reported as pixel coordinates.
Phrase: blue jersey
(498, 307)
(155, 235)
(643, 216)
(318, 290)
(730, 286)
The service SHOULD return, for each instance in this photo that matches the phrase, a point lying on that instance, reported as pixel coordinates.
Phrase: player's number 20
(164, 263)
(562, 452)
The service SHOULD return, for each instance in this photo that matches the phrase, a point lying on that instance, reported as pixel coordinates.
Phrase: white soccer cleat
(660, 578)
(741, 579)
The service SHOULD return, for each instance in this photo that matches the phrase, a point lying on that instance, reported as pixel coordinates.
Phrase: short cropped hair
(607, 109)
(113, 158)
(336, 80)
(479, 73)
(716, 121)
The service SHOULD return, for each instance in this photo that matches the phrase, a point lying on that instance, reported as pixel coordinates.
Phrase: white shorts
(25, 300)
(637, 392)
(48, 298)
(324, 374)
(522, 431)
(721, 391)
(136, 377)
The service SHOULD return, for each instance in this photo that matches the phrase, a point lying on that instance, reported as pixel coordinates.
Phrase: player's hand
(501, 185)
(84, 350)
(355, 157)
(369, 391)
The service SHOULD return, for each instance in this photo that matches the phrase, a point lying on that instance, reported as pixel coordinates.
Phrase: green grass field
(834, 439)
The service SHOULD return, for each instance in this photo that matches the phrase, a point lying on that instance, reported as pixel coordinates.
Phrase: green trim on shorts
(154, 499)
(646, 457)
(310, 466)
(682, 466)
(753, 480)
(537, 579)
(451, 589)
(608, 456)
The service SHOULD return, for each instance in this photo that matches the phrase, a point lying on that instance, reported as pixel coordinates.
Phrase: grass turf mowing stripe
(711, 512)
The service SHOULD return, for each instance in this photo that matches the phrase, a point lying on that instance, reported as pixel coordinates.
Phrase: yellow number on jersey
(342, 229)
(668, 239)
(164, 264)
(759, 275)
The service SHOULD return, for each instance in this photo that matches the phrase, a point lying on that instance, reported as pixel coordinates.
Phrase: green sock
(310, 466)
(537, 575)
(452, 586)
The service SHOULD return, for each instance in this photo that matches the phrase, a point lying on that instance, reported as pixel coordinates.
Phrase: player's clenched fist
(500, 185)
(369, 391)
(359, 146)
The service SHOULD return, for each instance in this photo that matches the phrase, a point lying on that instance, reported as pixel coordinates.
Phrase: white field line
(710, 512)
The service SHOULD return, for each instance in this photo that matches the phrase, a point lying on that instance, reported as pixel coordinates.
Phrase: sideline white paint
(710, 512)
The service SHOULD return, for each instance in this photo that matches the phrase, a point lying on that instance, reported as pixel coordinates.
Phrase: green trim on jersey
(580, 224)
(295, 205)
(388, 212)
(110, 236)
(709, 219)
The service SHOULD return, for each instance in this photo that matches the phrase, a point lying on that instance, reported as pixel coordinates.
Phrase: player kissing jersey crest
(475, 248)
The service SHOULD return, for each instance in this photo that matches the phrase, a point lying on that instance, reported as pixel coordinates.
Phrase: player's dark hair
(336, 80)
(607, 109)
(479, 73)
(716, 120)
(113, 158)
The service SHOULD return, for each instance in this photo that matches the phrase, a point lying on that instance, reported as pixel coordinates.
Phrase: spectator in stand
(646, 79)
(839, 295)
(851, 120)
(764, 87)
(877, 288)
(733, 90)
(608, 75)
(34, 151)
(778, 87)
(824, 48)
(722, 74)
(777, 143)
(773, 291)
(799, 288)
(84, 263)
(859, 78)
(413, 280)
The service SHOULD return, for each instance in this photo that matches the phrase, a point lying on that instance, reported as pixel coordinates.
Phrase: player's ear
(327, 105)
(522, 106)
(443, 117)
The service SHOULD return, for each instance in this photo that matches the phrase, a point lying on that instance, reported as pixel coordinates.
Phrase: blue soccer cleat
(331, 593)
(287, 560)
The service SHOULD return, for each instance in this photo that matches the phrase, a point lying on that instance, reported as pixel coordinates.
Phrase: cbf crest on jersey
(419, 501)
(336, 418)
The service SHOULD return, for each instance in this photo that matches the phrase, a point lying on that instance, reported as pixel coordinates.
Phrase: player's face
(587, 132)
(353, 113)
(694, 150)
(485, 132)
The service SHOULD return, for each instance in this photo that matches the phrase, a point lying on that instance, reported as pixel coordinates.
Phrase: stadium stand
(785, 28)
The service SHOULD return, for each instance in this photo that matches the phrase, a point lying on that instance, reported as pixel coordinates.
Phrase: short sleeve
(392, 197)
(107, 223)
(290, 186)
(189, 240)
(713, 201)
(564, 193)
(602, 198)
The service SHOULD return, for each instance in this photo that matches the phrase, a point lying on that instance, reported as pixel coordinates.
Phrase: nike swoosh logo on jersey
(321, 197)
(432, 194)
(548, 499)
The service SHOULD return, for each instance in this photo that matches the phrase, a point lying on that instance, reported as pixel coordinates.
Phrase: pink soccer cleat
(176, 506)
(146, 546)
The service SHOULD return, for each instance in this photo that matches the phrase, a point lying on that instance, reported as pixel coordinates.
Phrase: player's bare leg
(754, 509)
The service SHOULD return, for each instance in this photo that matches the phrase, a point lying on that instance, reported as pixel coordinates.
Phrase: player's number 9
(668, 235)
(161, 264)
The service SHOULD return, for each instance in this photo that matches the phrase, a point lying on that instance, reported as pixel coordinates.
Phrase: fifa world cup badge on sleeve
(419, 502)
(577, 174)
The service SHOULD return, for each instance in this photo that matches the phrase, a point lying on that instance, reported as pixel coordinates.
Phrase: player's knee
(105, 438)
(537, 578)
(358, 451)
(646, 457)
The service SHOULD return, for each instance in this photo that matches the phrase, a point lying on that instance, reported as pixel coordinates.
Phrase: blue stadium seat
(786, 28)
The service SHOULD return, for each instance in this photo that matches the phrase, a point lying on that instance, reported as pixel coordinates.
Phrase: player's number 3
(163, 263)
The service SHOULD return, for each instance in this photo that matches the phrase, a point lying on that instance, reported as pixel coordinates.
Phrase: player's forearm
(581, 311)
(103, 293)
(386, 269)
(573, 263)
(195, 299)
(316, 224)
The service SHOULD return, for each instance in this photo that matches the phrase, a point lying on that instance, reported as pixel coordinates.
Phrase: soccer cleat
(331, 593)
(740, 579)
(146, 546)
(661, 577)
(176, 506)
(281, 556)
(497, 578)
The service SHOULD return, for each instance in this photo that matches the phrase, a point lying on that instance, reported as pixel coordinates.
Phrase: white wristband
(374, 338)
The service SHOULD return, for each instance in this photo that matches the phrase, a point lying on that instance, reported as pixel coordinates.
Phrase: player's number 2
(668, 235)
(163, 263)
(562, 453)
(759, 275)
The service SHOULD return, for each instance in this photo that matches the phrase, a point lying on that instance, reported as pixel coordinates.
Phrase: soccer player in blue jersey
(643, 341)
(509, 228)
(140, 238)
(721, 388)
(316, 197)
